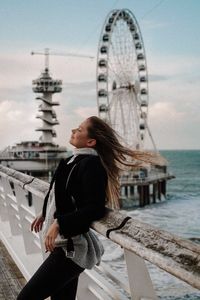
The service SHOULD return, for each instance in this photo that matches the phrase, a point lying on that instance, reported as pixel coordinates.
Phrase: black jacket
(87, 185)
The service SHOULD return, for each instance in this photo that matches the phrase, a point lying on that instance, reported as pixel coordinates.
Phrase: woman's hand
(51, 235)
(37, 223)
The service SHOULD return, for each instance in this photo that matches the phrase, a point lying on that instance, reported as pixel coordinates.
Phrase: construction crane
(47, 53)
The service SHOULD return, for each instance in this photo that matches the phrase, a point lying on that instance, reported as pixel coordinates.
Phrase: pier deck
(11, 279)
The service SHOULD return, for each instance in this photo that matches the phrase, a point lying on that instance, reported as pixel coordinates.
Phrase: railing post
(93, 286)
(3, 204)
(37, 204)
(12, 208)
(26, 216)
(140, 283)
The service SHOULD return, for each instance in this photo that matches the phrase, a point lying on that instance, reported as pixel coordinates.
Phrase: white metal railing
(140, 242)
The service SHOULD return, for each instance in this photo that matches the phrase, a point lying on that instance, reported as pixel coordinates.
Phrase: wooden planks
(11, 279)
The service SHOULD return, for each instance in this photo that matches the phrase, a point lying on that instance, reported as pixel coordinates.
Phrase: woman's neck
(85, 150)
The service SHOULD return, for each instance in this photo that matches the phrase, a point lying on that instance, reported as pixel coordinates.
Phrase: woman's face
(79, 137)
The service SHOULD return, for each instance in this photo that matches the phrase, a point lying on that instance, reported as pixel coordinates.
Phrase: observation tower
(39, 158)
(47, 86)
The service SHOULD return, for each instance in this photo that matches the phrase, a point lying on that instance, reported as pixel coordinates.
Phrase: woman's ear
(91, 142)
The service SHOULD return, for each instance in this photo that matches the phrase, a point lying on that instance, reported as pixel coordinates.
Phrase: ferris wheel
(122, 78)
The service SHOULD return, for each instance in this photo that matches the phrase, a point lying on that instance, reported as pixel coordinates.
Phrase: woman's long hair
(115, 157)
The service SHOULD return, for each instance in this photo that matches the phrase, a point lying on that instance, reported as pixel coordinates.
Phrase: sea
(178, 213)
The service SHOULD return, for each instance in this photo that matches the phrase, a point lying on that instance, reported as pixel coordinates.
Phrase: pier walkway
(11, 279)
(139, 241)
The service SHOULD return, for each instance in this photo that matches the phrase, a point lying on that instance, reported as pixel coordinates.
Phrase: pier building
(39, 158)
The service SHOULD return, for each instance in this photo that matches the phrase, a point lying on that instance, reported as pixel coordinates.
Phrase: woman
(82, 187)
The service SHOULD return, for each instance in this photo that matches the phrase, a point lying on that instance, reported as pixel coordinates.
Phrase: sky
(170, 30)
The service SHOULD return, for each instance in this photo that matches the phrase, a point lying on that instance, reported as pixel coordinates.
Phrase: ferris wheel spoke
(114, 74)
(121, 68)
(116, 68)
(130, 119)
(122, 32)
(120, 41)
(123, 110)
(116, 50)
(115, 113)
(122, 130)
(112, 101)
(113, 67)
(120, 58)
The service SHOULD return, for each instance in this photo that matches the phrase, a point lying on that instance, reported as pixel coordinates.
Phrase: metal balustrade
(140, 242)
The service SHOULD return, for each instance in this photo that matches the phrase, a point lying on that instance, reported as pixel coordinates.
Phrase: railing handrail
(175, 255)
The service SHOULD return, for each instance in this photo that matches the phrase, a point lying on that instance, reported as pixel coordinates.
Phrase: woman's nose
(73, 130)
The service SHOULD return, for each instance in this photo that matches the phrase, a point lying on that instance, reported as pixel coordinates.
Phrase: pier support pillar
(163, 187)
(141, 195)
(126, 191)
(159, 190)
(154, 192)
(122, 191)
(132, 190)
(146, 194)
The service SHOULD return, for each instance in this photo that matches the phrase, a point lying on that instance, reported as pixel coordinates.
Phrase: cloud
(174, 106)
(17, 105)
(85, 112)
(173, 126)
(157, 77)
(164, 112)
(17, 122)
(179, 66)
(18, 70)
(152, 24)
(78, 102)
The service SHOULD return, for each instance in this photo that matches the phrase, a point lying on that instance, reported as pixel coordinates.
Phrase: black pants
(56, 277)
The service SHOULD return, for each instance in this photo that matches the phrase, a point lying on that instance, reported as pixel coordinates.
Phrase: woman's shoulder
(91, 162)
(89, 158)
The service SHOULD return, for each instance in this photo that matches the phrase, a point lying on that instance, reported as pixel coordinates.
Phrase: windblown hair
(115, 157)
